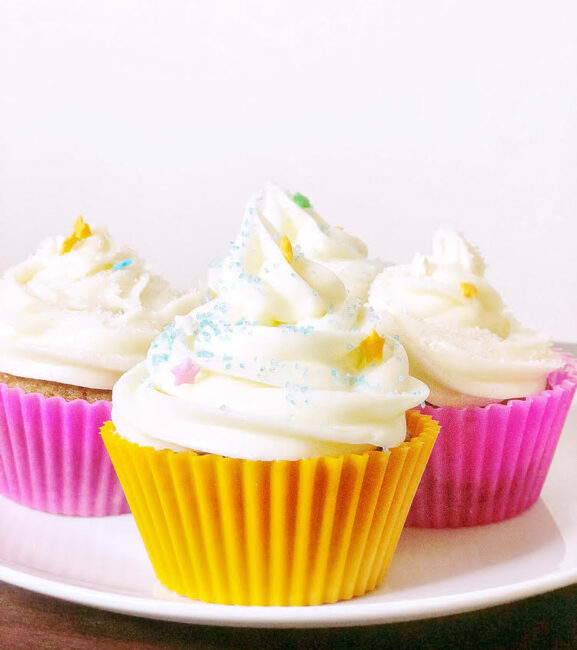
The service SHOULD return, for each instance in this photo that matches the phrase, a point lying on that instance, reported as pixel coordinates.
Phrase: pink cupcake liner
(52, 457)
(489, 463)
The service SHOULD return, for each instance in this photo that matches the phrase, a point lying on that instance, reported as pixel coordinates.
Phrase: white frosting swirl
(461, 340)
(281, 370)
(76, 318)
(312, 238)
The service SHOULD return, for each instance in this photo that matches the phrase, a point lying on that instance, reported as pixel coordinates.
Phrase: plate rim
(344, 614)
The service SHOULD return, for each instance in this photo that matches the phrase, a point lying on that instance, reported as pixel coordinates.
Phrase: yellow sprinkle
(286, 248)
(81, 231)
(469, 290)
(372, 347)
(67, 244)
(100, 268)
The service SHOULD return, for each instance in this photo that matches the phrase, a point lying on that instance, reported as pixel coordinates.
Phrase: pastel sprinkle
(372, 347)
(301, 200)
(80, 231)
(122, 265)
(469, 290)
(286, 249)
(185, 372)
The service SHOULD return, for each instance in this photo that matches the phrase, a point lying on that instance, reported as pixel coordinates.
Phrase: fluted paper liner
(52, 457)
(489, 463)
(247, 532)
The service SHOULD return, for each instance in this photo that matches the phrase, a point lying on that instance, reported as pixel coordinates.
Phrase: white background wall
(159, 119)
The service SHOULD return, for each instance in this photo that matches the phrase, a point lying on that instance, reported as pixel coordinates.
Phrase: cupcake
(73, 318)
(498, 390)
(264, 446)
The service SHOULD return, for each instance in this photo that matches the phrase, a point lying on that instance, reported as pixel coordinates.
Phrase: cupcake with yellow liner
(264, 446)
(73, 318)
(498, 390)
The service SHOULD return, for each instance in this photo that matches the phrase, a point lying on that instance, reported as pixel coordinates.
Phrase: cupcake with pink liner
(498, 389)
(73, 317)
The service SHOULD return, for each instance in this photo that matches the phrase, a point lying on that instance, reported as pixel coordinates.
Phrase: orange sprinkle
(372, 347)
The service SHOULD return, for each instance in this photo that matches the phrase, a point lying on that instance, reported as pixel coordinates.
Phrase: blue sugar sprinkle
(334, 372)
(205, 354)
(228, 366)
(243, 365)
(226, 358)
(122, 265)
(158, 359)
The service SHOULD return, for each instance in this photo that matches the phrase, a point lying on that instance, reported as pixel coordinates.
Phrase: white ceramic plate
(102, 562)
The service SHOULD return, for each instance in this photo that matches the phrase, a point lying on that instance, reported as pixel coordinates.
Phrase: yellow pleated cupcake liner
(245, 532)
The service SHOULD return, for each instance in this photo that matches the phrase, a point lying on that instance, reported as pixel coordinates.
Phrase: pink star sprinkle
(185, 372)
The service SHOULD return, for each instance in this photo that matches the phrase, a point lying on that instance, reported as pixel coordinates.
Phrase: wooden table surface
(30, 620)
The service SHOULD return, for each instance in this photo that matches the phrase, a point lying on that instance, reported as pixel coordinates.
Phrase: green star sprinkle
(301, 200)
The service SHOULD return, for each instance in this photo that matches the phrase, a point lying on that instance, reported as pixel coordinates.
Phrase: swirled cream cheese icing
(82, 310)
(282, 364)
(311, 237)
(461, 340)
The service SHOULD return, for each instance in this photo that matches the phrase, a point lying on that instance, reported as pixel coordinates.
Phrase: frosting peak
(451, 250)
(312, 239)
(82, 310)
